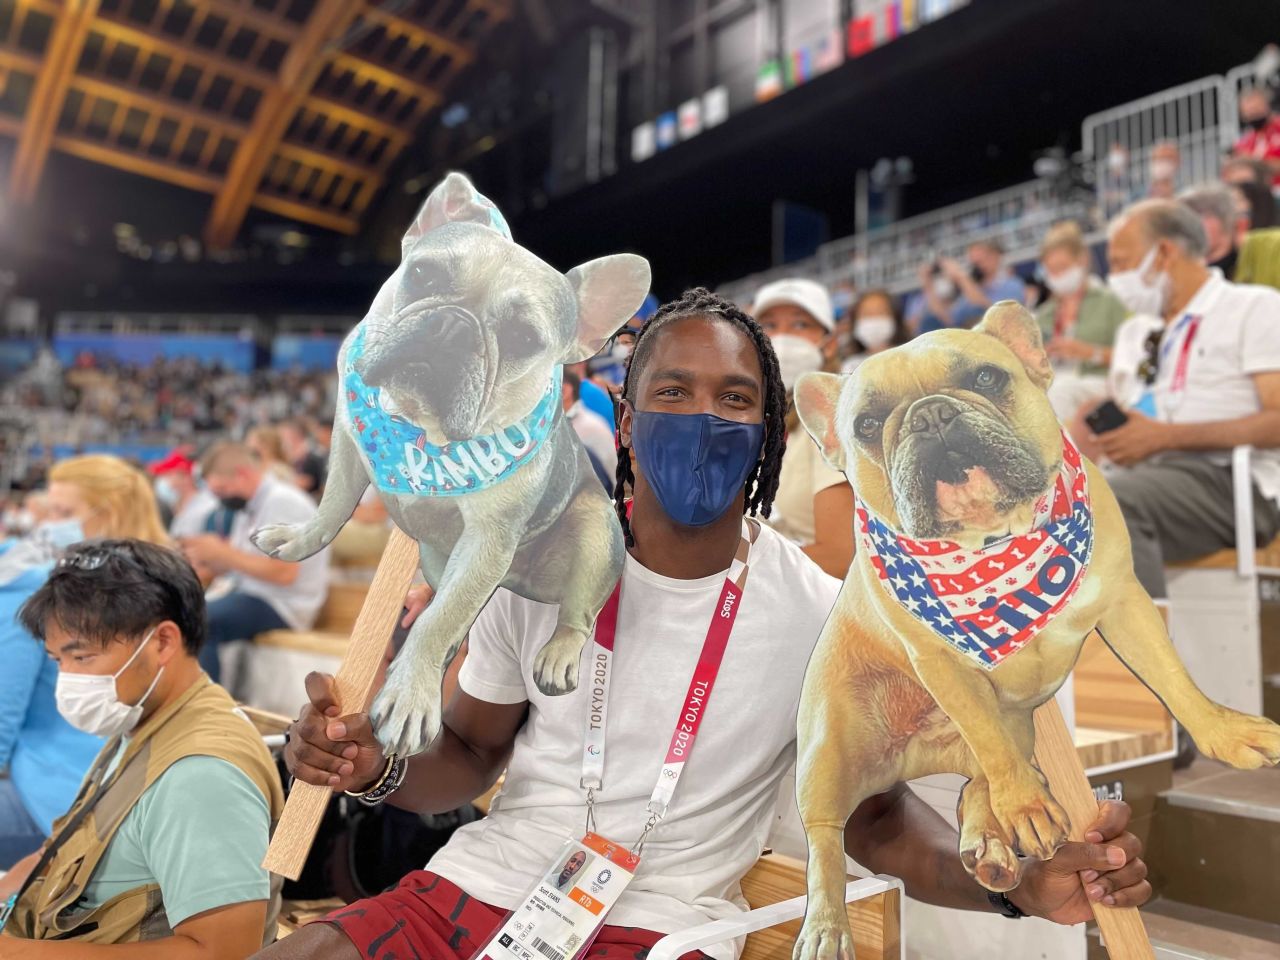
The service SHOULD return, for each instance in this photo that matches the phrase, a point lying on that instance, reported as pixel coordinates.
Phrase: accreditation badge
(562, 915)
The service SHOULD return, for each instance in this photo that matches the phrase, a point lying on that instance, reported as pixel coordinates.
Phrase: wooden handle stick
(353, 687)
(1123, 933)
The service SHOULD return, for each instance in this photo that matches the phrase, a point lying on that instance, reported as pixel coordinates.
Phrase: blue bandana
(402, 459)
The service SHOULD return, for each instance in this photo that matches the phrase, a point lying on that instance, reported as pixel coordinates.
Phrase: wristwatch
(1004, 906)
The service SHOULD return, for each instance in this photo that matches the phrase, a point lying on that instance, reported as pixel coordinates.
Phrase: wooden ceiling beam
(137, 163)
(11, 58)
(119, 30)
(352, 116)
(302, 65)
(311, 157)
(420, 33)
(296, 210)
(244, 14)
(154, 103)
(70, 30)
(427, 95)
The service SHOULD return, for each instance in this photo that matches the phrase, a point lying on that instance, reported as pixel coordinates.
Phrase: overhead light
(455, 115)
(293, 238)
(125, 230)
(484, 144)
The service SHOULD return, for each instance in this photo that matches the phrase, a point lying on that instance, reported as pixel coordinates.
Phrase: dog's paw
(555, 669)
(1244, 741)
(993, 863)
(824, 936)
(286, 541)
(406, 713)
(1031, 817)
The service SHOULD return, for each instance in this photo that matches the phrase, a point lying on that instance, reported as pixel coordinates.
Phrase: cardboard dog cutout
(987, 549)
(450, 406)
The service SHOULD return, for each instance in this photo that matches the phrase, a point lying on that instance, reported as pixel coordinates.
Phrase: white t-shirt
(1238, 336)
(190, 520)
(276, 502)
(720, 817)
(805, 474)
(596, 435)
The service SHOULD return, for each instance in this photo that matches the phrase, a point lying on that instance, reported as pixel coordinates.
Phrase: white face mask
(874, 331)
(944, 288)
(1163, 169)
(796, 357)
(89, 702)
(1137, 292)
(166, 493)
(620, 351)
(1067, 282)
(1118, 161)
(59, 534)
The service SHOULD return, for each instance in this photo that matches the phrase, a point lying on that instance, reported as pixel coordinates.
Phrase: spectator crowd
(1172, 327)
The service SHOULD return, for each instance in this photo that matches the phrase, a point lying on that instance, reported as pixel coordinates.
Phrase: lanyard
(695, 701)
(1178, 382)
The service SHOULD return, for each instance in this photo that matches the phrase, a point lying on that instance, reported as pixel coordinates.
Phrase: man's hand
(1068, 348)
(207, 550)
(1135, 441)
(953, 269)
(1107, 868)
(328, 750)
(415, 602)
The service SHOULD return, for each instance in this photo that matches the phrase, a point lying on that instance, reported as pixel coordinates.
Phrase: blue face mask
(60, 534)
(695, 463)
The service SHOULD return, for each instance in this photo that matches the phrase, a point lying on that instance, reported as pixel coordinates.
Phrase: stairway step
(1179, 930)
(1254, 794)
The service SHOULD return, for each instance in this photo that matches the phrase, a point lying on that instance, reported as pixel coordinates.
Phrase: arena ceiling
(299, 108)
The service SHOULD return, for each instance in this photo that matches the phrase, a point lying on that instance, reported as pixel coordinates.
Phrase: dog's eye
(989, 379)
(868, 427)
(521, 341)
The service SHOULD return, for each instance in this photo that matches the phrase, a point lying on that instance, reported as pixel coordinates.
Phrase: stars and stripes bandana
(402, 460)
(990, 603)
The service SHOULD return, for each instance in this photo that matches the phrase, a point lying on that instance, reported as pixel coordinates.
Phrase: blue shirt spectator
(957, 294)
(45, 756)
(597, 400)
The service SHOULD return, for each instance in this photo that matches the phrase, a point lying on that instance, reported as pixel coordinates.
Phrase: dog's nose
(932, 413)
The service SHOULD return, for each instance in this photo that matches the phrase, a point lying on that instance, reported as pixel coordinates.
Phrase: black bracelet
(389, 785)
(1004, 906)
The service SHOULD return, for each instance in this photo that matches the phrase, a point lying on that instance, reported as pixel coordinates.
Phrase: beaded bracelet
(389, 783)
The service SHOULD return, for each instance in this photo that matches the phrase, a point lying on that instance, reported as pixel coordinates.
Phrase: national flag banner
(992, 602)
(666, 130)
(828, 53)
(715, 106)
(644, 143)
(799, 67)
(768, 81)
(862, 36)
(690, 118)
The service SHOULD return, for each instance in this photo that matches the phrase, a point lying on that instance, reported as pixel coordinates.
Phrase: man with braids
(701, 439)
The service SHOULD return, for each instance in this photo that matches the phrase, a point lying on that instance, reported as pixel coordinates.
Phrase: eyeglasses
(1149, 368)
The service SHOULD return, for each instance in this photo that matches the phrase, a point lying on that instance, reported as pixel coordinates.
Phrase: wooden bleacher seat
(1268, 556)
(333, 624)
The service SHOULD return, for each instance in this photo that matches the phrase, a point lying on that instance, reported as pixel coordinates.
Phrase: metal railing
(1200, 118)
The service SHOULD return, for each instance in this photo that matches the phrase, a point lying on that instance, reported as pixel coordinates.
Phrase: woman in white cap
(814, 505)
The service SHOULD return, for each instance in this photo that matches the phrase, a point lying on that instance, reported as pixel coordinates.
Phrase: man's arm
(899, 834)
(216, 553)
(832, 548)
(1141, 437)
(228, 933)
(462, 763)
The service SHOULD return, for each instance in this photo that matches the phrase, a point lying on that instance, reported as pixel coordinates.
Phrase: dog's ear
(454, 200)
(816, 398)
(609, 292)
(1015, 326)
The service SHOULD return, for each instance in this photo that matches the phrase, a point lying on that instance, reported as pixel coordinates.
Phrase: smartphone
(1106, 416)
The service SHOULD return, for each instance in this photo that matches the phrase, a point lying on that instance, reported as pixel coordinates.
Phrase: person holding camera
(957, 294)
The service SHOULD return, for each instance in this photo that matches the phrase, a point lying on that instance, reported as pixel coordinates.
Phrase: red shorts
(428, 918)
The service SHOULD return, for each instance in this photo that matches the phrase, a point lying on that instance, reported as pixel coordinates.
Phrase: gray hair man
(1216, 206)
(1208, 380)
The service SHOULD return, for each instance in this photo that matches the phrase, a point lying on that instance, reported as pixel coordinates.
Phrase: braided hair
(762, 484)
